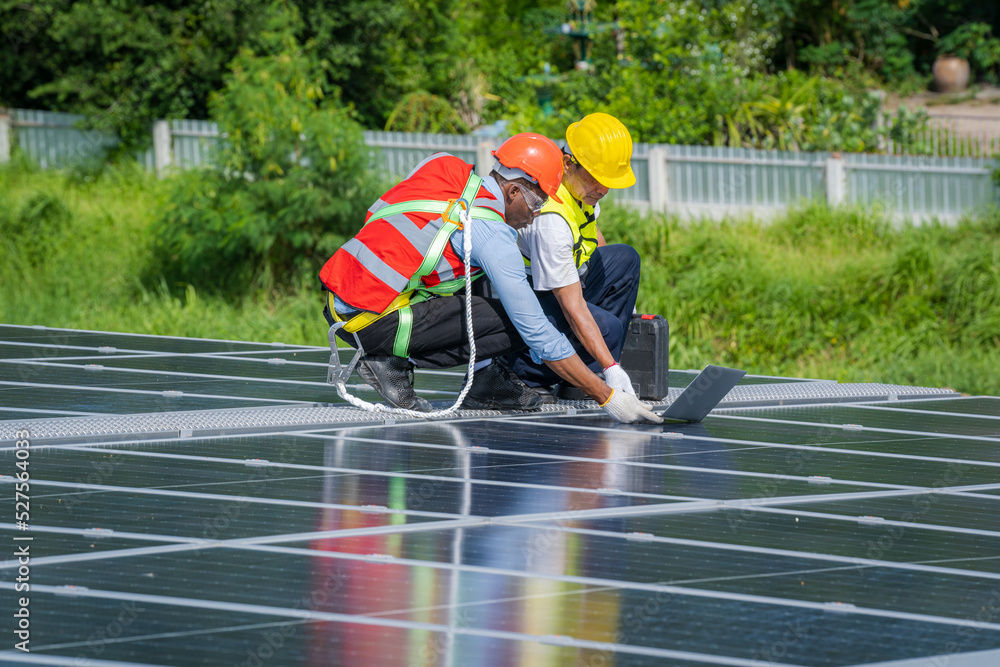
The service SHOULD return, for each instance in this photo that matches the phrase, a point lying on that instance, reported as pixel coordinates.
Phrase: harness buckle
(461, 201)
(336, 372)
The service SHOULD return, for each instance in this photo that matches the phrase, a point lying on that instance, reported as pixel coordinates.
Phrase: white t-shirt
(548, 243)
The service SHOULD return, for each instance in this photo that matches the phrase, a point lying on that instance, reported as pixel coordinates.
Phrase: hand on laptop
(628, 409)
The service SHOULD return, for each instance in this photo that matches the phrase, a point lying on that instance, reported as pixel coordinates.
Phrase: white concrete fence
(690, 181)
(4, 139)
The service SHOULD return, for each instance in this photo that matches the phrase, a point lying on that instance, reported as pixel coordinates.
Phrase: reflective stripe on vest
(374, 263)
(400, 230)
(434, 238)
(582, 223)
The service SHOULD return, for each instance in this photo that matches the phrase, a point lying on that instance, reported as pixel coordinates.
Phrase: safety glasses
(534, 202)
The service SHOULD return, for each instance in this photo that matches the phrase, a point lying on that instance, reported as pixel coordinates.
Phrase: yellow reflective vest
(582, 223)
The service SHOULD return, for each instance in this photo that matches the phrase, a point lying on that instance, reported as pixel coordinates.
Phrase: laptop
(703, 394)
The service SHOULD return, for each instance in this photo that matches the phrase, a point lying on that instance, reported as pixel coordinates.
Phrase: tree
(377, 51)
(124, 64)
(289, 185)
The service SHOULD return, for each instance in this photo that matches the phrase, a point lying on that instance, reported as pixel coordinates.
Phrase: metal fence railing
(744, 177)
(951, 135)
(400, 152)
(920, 186)
(192, 142)
(688, 180)
(56, 140)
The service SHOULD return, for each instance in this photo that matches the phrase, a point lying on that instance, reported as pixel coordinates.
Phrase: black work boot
(496, 387)
(392, 378)
(547, 394)
(568, 392)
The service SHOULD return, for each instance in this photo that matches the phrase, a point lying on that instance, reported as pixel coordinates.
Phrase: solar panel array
(198, 502)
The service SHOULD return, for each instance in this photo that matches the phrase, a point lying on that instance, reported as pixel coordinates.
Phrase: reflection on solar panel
(197, 502)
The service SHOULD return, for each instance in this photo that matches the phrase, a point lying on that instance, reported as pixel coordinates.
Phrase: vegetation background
(232, 251)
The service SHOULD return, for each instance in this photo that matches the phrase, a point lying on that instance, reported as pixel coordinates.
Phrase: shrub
(974, 42)
(291, 182)
(35, 225)
(422, 112)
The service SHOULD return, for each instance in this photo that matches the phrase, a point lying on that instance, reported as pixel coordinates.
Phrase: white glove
(617, 378)
(627, 409)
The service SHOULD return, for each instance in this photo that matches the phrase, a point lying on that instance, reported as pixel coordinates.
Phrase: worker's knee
(621, 260)
(611, 327)
(629, 258)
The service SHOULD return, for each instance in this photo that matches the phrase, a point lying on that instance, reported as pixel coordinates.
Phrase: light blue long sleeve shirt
(494, 249)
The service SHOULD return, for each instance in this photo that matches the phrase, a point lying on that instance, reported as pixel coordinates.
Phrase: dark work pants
(439, 338)
(610, 289)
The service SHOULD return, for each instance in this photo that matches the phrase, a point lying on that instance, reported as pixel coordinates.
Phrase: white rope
(388, 409)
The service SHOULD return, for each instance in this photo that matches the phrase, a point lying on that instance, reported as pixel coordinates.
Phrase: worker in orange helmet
(586, 287)
(394, 283)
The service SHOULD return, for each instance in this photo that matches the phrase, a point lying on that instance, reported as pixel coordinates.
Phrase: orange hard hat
(535, 155)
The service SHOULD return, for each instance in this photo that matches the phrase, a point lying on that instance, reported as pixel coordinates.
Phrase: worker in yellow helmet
(585, 286)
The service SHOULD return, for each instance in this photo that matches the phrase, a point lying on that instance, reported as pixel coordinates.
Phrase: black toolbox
(646, 355)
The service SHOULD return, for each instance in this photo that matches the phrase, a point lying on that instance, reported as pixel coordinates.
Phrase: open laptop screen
(703, 394)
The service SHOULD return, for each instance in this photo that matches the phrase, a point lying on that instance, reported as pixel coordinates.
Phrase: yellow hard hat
(603, 146)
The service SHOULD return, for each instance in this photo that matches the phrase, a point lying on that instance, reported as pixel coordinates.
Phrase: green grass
(84, 272)
(841, 295)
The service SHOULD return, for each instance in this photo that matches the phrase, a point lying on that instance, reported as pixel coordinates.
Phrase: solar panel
(198, 502)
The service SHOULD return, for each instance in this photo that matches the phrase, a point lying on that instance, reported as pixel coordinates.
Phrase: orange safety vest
(404, 246)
